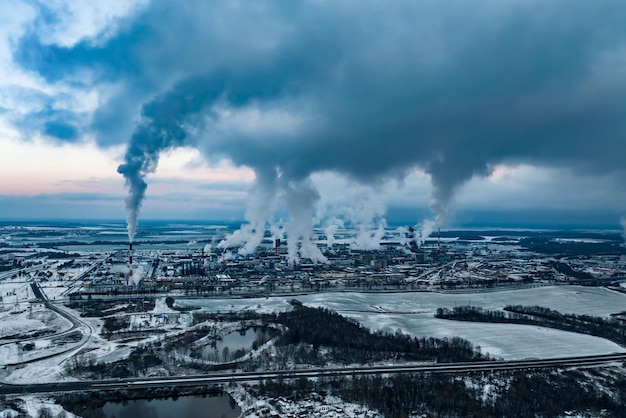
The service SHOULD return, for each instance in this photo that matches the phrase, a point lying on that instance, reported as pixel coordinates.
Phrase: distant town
(89, 265)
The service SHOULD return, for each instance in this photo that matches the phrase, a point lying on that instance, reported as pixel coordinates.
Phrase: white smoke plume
(367, 238)
(366, 216)
(259, 212)
(424, 229)
(301, 198)
(277, 231)
(400, 234)
(330, 231)
(226, 256)
(440, 209)
(332, 225)
(238, 238)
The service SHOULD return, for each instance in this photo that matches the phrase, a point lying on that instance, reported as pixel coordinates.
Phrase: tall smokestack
(129, 281)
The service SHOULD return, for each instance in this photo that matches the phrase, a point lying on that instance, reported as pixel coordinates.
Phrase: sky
(490, 111)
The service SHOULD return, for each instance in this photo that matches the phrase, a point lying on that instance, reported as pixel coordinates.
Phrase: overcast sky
(489, 109)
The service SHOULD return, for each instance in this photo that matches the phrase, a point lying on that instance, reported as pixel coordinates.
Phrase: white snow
(19, 326)
(412, 312)
(160, 307)
(260, 305)
(508, 341)
(313, 405)
(565, 299)
(32, 405)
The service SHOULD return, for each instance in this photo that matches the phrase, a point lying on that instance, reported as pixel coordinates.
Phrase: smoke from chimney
(439, 240)
(162, 127)
(301, 198)
(295, 109)
(425, 229)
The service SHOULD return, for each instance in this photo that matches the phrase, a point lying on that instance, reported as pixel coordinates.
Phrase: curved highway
(77, 323)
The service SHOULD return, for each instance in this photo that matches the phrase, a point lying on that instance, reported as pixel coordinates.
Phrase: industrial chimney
(277, 247)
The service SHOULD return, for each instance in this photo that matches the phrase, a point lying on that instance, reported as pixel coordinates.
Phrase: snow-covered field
(29, 318)
(566, 299)
(413, 313)
(508, 341)
(54, 289)
(15, 292)
(261, 305)
(389, 312)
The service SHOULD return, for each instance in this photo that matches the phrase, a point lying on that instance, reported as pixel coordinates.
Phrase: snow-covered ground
(508, 341)
(20, 327)
(92, 345)
(260, 305)
(47, 369)
(566, 299)
(160, 307)
(34, 405)
(313, 405)
(54, 289)
(413, 314)
(595, 301)
(15, 293)
(28, 318)
(389, 312)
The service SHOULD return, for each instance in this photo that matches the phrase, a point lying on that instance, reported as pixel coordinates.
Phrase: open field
(500, 340)
(413, 313)
(566, 299)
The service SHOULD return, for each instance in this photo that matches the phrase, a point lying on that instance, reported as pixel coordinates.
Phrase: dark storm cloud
(374, 88)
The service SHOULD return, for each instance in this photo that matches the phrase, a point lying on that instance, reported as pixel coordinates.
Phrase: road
(222, 378)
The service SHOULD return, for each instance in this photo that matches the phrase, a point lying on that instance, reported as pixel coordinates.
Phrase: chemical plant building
(438, 264)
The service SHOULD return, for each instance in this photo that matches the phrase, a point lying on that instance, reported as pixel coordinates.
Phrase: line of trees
(517, 394)
(351, 342)
(140, 360)
(97, 308)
